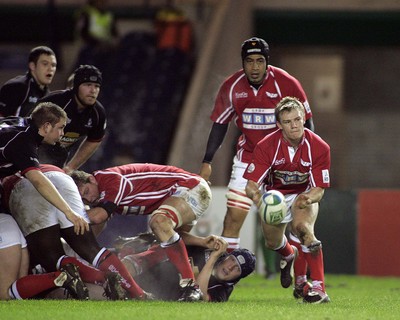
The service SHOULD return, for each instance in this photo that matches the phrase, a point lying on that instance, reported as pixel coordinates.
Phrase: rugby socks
(88, 273)
(233, 243)
(285, 250)
(300, 264)
(151, 257)
(315, 262)
(137, 262)
(105, 260)
(178, 256)
(33, 284)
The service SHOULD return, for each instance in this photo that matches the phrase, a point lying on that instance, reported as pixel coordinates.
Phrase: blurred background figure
(173, 29)
(97, 28)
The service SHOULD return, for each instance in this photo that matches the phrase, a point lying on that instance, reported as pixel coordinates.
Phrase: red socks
(286, 250)
(316, 264)
(88, 273)
(107, 261)
(178, 256)
(33, 284)
(300, 265)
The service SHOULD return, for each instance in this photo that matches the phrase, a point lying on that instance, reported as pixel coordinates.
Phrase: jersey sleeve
(21, 154)
(261, 163)
(223, 111)
(112, 187)
(321, 166)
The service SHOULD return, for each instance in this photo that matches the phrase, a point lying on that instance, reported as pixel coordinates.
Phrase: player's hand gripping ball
(272, 207)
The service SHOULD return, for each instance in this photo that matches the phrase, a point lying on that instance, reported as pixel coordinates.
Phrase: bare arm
(253, 191)
(84, 152)
(309, 197)
(192, 240)
(97, 215)
(204, 276)
(44, 186)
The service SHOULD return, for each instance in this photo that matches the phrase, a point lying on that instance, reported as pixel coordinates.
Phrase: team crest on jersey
(271, 95)
(279, 162)
(251, 167)
(33, 99)
(305, 163)
(102, 195)
(89, 123)
(241, 95)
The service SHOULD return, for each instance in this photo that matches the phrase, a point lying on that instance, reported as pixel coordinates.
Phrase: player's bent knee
(164, 214)
(238, 199)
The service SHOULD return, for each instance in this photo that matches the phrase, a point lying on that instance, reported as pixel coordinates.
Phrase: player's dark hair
(288, 104)
(47, 112)
(37, 51)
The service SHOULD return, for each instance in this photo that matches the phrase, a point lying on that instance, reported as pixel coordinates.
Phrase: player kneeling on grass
(216, 271)
(296, 162)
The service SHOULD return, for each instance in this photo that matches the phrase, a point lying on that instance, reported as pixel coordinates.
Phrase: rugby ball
(272, 207)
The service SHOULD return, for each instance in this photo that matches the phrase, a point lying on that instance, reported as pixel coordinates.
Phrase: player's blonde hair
(288, 104)
(80, 177)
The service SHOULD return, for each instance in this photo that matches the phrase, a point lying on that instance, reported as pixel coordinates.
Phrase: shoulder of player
(314, 138)
(16, 86)
(233, 78)
(60, 97)
(273, 136)
(279, 73)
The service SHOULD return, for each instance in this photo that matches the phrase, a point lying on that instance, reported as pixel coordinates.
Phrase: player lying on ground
(216, 271)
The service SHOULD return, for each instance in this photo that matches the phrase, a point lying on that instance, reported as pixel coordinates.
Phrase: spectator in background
(19, 95)
(97, 29)
(174, 30)
(85, 129)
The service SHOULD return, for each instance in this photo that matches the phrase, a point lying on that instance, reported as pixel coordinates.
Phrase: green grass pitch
(254, 298)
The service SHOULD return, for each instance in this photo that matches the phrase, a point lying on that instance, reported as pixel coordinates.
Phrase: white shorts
(198, 198)
(237, 181)
(33, 212)
(289, 201)
(10, 234)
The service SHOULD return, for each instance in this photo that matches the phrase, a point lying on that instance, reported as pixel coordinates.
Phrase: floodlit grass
(254, 298)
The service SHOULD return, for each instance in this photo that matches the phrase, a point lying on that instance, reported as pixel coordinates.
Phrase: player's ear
(46, 127)
(31, 66)
(92, 179)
